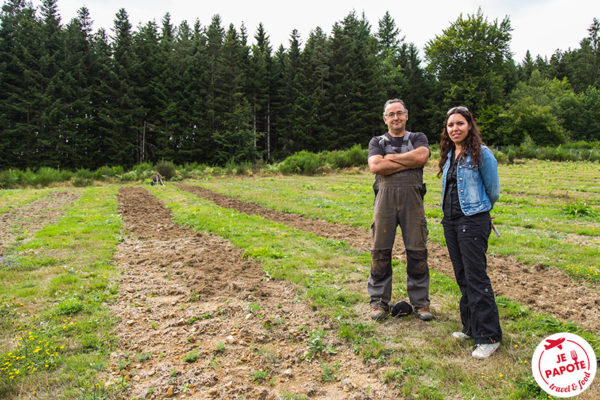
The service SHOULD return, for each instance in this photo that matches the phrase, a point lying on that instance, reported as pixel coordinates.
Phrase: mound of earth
(200, 321)
(544, 290)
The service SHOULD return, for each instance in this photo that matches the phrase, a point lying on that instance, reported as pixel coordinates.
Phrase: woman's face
(458, 128)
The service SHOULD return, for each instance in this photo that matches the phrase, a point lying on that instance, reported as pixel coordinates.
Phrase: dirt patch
(26, 220)
(545, 290)
(190, 296)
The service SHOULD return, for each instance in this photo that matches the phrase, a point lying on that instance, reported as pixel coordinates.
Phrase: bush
(166, 169)
(84, 173)
(108, 172)
(8, 179)
(143, 171)
(46, 175)
(303, 162)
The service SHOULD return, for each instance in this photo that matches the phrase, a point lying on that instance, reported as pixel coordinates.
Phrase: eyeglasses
(395, 114)
(455, 109)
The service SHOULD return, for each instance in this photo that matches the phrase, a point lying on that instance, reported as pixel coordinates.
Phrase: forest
(201, 92)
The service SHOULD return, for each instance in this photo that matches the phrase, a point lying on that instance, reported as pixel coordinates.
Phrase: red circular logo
(564, 365)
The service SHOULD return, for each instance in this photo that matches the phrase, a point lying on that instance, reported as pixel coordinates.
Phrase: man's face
(395, 118)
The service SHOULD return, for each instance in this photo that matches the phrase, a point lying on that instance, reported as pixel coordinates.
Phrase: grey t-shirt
(387, 144)
(378, 147)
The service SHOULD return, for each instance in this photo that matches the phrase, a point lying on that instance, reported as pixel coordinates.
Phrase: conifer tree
(21, 84)
(126, 141)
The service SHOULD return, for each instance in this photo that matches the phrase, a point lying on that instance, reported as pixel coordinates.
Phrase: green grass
(13, 198)
(532, 214)
(425, 354)
(55, 332)
(52, 294)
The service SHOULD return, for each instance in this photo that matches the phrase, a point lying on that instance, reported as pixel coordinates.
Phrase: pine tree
(355, 92)
(126, 142)
(75, 126)
(103, 89)
(21, 84)
(313, 102)
(53, 146)
(260, 91)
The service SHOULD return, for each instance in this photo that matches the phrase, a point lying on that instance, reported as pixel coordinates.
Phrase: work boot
(423, 313)
(380, 310)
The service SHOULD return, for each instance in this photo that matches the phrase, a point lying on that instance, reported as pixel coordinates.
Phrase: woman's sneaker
(460, 335)
(485, 350)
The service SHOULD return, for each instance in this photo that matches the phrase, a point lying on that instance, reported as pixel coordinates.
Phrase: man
(397, 158)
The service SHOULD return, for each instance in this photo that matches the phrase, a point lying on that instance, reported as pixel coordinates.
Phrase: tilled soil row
(543, 289)
(200, 321)
(33, 216)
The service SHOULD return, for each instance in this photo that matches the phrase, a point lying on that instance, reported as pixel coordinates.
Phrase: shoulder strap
(406, 143)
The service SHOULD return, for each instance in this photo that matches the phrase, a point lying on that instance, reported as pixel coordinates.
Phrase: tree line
(73, 98)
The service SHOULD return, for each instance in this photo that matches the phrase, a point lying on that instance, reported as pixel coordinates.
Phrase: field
(255, 288)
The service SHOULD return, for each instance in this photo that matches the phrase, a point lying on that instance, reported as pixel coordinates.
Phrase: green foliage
(142, 170)
(308, 163)
(470, 62)
(317, 345)
(328, 373)
(106, 172)
(260, 375)
(68, 307)
(191, 357)
(166, 169)
(75, 100)
(303, 162)
(68, 337)
(578, 208)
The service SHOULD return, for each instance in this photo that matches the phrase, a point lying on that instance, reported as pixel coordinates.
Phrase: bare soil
(186, 294)
(26, 220)
(543, 289)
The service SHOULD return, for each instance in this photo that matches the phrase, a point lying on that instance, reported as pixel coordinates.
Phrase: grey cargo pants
(399, 202)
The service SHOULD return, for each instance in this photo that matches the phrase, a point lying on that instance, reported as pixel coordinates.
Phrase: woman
(470, 189)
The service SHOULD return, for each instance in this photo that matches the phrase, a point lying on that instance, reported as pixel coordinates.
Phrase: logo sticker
(564, 365)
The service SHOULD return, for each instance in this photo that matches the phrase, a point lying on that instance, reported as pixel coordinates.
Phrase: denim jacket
(478, 186)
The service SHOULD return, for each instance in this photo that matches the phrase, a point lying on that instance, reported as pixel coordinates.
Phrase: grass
(54, 326)
(320, 267)
(534, 214)
(55, 332)
(13, 198)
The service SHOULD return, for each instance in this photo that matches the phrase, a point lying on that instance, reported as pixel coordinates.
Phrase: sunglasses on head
(458, 108)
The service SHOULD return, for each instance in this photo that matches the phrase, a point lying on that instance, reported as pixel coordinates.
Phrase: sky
(540, 26)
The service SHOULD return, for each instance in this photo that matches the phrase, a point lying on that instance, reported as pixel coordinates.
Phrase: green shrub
(357, 156)
(143, 170)
(166, 169)
(108, 172)
(8, 179)
(46, 175)
(303, 162)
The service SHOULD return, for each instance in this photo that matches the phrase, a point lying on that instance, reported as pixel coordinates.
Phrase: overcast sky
(541, 26)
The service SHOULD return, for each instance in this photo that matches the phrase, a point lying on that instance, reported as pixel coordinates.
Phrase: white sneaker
(460, 335)
(485, 350)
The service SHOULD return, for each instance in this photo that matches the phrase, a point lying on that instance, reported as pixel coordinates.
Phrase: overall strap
(406, 144)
